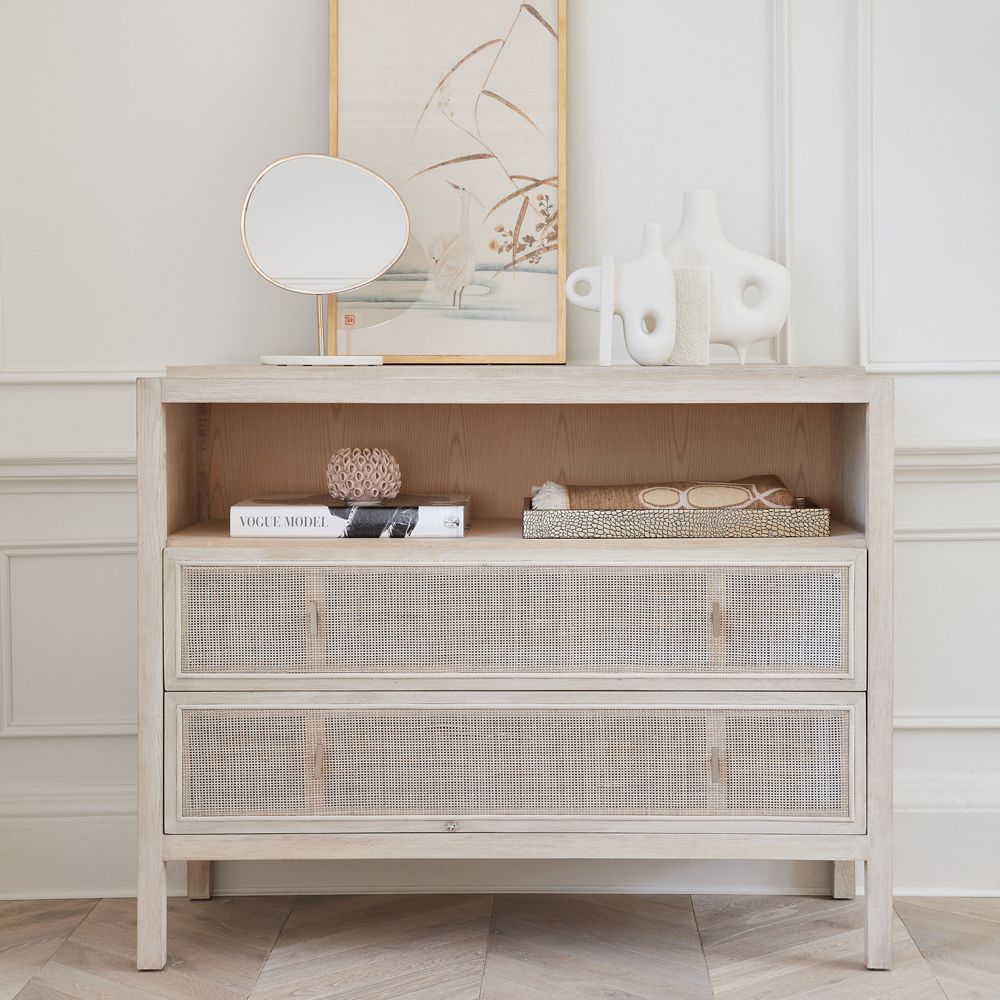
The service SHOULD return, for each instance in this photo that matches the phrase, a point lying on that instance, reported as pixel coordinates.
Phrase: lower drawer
(426, 762)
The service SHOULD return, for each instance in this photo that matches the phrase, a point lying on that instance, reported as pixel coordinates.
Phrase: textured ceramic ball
(363, 475)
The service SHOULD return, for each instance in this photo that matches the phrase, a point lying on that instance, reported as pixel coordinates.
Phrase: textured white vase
(642, 293)
(700, 243)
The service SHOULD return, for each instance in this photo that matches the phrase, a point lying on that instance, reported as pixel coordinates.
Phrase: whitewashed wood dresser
(494, 697)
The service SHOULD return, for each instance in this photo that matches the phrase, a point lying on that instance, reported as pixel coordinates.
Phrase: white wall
(128, 134)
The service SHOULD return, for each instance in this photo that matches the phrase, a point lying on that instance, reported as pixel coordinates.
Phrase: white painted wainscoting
(854, 139)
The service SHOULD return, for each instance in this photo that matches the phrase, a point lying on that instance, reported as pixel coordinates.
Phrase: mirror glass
(322, 225)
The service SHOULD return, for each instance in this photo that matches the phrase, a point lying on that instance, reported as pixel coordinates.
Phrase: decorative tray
(804, 520)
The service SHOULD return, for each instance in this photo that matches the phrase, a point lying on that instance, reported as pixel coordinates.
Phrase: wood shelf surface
(501, 538)
(532, 384)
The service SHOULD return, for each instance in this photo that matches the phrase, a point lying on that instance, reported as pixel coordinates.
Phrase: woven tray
(805, 520)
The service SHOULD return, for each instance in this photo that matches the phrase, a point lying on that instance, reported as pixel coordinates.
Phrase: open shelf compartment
(222, 453)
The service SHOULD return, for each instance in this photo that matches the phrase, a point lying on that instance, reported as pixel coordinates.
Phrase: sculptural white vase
(700, 243)
(642, 293)
(647, 301)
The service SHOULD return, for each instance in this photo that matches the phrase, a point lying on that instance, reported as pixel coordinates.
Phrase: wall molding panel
(945, 792)
(71, 473)
(867, 333)
(948, 462)
(82, 377)
(923, 466)
(948, 533)
(943, 366)
(946, 722)
(44, 801)
(865, 194)
(10, 725)
(783, 217)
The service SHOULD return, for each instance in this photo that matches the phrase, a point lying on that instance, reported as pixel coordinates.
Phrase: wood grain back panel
(182, 438)
(497, 453)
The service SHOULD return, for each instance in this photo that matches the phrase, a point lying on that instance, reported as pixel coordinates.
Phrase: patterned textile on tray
(751, 493)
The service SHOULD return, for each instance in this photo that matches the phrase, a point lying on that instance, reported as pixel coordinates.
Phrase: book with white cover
(439, 516)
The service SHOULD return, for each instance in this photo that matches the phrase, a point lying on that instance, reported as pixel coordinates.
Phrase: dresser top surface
(527, 384)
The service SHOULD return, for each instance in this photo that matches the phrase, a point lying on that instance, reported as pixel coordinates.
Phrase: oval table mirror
(319, 225)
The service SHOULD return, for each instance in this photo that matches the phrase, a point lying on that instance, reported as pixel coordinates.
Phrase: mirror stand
(321, 359)
(299, 217)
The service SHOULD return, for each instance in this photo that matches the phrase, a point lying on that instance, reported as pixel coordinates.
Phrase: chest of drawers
(497, 697)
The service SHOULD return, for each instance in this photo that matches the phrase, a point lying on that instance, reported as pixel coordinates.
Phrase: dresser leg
(844, 880)
(878, 910)
(199, 879)
(152, 914)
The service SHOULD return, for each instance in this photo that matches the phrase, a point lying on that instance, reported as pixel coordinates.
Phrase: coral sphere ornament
(363, 475)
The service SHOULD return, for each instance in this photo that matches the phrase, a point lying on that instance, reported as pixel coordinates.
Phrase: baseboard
(947, 852)
(933, 892)
(70, 857)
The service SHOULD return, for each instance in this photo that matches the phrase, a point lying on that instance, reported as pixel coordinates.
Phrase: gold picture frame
(554, 206)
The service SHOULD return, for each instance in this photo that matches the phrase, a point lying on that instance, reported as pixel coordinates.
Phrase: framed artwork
(461, 106)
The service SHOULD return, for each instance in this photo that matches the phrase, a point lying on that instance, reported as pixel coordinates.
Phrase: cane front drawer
(304, 624)
(406, 762)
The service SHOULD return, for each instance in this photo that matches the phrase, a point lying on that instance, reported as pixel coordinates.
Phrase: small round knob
(451, 827)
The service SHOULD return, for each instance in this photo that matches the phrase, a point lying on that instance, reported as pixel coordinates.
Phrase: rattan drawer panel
(322, 620)
(784, 619)
(388, 767)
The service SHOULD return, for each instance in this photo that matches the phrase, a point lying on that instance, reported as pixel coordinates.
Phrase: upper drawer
(294, 624)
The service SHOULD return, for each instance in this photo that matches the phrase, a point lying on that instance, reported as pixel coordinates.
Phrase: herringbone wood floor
(500, 948)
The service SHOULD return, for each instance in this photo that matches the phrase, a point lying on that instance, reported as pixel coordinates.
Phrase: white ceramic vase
(647, 301)
(642, 293)
(700, 243)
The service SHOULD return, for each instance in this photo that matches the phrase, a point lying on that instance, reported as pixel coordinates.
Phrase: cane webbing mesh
(786, 618)
(794, 763)
(514, 762)
(322, 619)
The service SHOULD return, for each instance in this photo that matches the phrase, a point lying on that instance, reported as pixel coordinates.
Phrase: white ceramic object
(737, 318)
(694, 316)
(599, 297)
(642, 293)
(594, 288)
(608, 278)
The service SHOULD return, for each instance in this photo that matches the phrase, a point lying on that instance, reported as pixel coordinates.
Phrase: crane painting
(456, 103)
(453, 255)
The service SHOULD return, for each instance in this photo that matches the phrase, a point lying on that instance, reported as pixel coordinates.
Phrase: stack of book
(441, 516)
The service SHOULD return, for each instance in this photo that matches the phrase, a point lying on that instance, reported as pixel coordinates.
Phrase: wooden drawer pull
(718, 766)
(319, 758)
(716, 620)
(314, 619)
